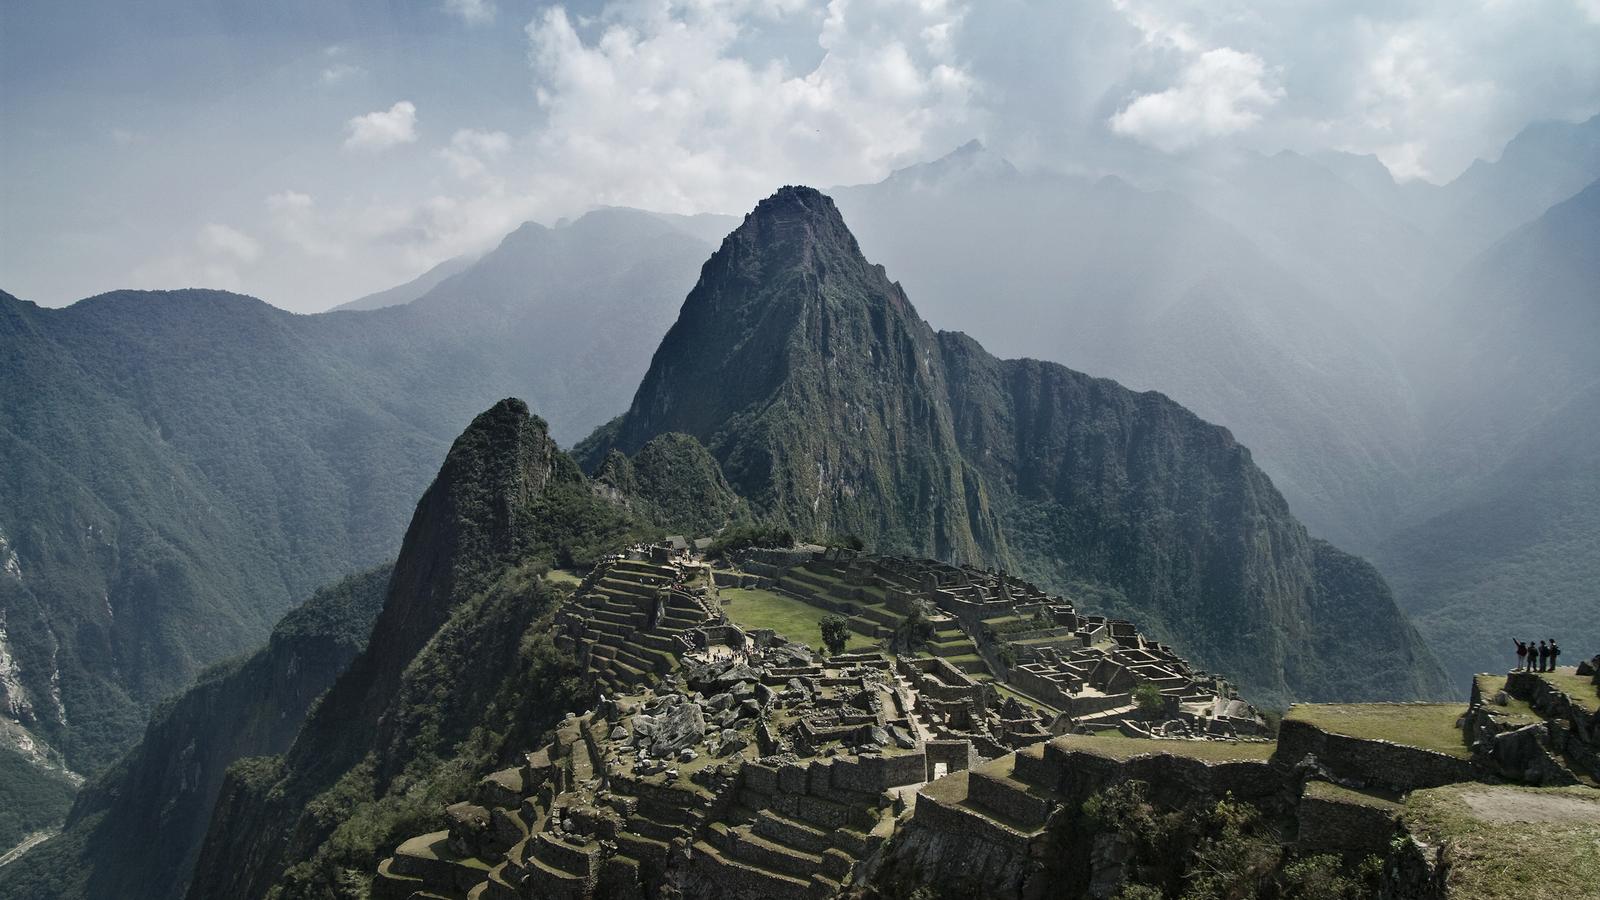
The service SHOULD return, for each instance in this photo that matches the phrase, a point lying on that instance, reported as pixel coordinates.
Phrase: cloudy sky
(310, 151)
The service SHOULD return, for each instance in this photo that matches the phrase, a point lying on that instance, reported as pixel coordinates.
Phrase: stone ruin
(725, 763)
(1081, 669)
(721, 763)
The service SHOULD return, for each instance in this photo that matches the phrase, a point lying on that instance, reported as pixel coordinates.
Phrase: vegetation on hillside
(833, 409)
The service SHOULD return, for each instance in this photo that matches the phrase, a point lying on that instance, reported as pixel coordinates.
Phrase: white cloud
(293, 217)
(473, 12)
(655, 105)
(341, 72)
(1426, 85)
(691, 105)
(383, 129)
(1222, 91)
(471, 152)
(221, 240)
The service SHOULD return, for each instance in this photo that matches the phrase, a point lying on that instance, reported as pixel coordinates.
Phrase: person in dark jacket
(1522, 654)
(1554, 652)
(1544, 655)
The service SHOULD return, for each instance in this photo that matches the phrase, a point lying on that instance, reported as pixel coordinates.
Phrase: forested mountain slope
(831, 406)
(1505, 540)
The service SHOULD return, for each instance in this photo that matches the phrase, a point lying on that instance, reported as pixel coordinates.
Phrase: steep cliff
(458, 672)
(831, 406)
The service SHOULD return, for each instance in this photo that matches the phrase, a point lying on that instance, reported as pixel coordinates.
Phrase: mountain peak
(972, 161)
(785, 249)
(796, 211)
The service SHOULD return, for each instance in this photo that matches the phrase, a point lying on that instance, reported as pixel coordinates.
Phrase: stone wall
(957, 756)
(1370, 763)
(1353, 825)
(1570, 729)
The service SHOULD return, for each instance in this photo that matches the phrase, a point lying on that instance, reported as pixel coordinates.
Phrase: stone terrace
(1083, 666)
(723, 764)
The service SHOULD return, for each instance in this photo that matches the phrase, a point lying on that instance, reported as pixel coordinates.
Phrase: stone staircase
(633, 622)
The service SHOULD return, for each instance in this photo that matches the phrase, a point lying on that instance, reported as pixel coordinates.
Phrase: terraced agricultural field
(1429, 726)
(1121, 747)
(1581, 690)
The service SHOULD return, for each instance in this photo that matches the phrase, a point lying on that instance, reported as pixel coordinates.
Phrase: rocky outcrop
(505, 497)
(1561, 745)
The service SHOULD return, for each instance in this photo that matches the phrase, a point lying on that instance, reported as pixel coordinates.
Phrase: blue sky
(309, 152)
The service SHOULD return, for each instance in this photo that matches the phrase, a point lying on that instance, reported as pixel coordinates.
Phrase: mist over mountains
(182, 466)
(1413, 366)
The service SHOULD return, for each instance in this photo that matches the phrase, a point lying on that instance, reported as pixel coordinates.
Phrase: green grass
(1429, 726)
(1499, 848)
(794, 619)
(1518, 710)
(1119, 746)
(1581, 690)
(1324, 790)
(562, 576)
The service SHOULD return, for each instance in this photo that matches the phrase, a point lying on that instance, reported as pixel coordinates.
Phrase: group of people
(1537, 659)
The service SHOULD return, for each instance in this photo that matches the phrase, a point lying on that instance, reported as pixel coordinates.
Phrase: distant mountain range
(831, 406)
(182, 466)
(1407, 362)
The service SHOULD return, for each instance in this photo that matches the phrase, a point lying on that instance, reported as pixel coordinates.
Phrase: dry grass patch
(1516, 843)
(1121, 747)
(1427, 726)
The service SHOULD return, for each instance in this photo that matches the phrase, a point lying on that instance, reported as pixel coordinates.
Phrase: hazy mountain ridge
(1505, 539)
(401, 294)
(182, 465)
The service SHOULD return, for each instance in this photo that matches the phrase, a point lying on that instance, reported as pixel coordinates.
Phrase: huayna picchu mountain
(831, 406)
(458, 668)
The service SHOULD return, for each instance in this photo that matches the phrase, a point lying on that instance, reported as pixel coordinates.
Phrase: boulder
(902, 738)
(1525, 755)
(669, 732)
(739, 672)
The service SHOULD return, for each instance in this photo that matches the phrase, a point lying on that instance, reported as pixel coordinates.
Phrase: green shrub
(1148, 698)
(835, 633)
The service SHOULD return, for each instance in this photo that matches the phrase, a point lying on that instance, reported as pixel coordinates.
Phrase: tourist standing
(1522, 654)
(1544, 655)
(1554, 652)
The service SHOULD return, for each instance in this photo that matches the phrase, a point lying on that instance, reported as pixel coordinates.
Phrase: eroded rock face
(676, 727)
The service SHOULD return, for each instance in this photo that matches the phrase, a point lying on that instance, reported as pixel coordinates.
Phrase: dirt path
(28, 843)
(1501, 807)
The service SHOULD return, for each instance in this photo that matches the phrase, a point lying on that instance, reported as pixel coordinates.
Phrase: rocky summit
(832, 407)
